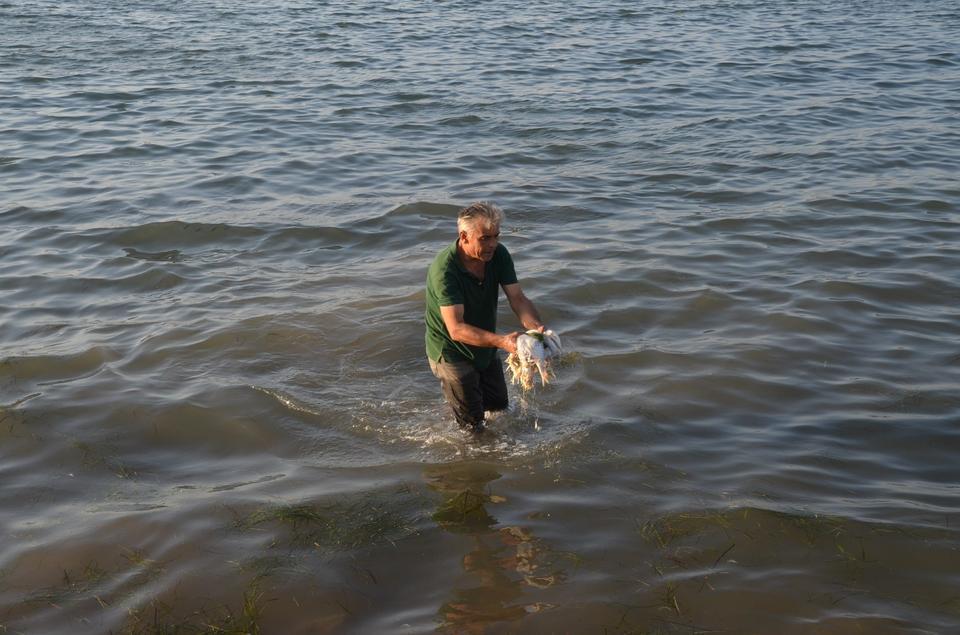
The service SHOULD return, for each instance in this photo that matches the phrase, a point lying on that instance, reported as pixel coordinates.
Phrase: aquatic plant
(664, 531)
(337, 525)
(93, 456)
(157, 618)
(293, 515)
(74, 585)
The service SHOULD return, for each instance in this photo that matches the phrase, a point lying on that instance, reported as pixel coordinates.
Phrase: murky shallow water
(742, 217)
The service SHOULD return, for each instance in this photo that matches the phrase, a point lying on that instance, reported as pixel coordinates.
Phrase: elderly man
(463, 286)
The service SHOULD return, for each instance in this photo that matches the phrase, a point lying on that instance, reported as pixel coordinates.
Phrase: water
(216, 221)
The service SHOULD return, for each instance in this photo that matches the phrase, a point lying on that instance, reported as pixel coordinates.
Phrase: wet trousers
(469, 391)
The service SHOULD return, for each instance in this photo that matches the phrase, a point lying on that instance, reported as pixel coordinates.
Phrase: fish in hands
(534, 355)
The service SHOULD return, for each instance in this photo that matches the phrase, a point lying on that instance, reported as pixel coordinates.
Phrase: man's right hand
(509, 342)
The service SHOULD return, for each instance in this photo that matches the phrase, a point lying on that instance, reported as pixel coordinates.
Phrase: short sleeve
(447, 287)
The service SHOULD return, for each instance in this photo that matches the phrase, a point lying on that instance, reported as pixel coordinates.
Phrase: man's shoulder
(443, 270)
(443, 279)
(444, 259)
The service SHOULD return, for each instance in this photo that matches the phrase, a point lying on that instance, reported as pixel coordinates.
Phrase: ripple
(216, 227)
(51, 369)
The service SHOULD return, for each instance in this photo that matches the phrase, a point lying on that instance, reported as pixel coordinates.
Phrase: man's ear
(463, 235)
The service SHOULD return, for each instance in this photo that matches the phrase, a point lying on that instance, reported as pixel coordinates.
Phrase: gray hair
(481, 211)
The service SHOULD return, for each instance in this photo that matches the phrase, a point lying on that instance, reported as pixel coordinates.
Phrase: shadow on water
(504, 565)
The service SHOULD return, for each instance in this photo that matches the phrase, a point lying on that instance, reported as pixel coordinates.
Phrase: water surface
(215, 410)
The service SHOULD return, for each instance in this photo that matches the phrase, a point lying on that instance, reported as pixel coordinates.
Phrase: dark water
(216, 412)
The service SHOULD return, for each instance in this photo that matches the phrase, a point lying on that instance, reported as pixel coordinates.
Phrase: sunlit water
(216, 222)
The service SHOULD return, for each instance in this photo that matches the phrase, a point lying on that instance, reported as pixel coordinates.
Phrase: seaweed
(157, 618)
(332, 525)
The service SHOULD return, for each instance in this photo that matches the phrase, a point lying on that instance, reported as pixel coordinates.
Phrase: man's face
(480, 241)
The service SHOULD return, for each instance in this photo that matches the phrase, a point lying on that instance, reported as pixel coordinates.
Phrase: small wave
(172, 255)
(407, 97)
(637, 61)
(92, 95)
(20, 401)
(743, 197)
(234, 184)
(154, 279)
(461, 120)
(239, 484)
(42, 370)
(421, 209)
(173, 234)
(287, 401)
(31, 215)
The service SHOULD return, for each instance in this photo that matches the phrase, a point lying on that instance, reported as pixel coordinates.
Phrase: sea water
(215, 408)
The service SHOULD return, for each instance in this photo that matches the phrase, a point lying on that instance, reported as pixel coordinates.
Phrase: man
(463, 286)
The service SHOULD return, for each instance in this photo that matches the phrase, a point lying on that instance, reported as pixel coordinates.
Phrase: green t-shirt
(449, 283)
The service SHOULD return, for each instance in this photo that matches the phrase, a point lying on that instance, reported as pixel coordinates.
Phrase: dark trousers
(470, 391)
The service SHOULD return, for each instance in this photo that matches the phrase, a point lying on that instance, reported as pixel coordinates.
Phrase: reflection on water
(503, 566)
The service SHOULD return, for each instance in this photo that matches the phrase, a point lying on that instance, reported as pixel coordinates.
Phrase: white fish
(535, 350)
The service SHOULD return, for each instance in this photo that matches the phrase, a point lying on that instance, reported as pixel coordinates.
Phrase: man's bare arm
(523, 306)
(460, 331)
